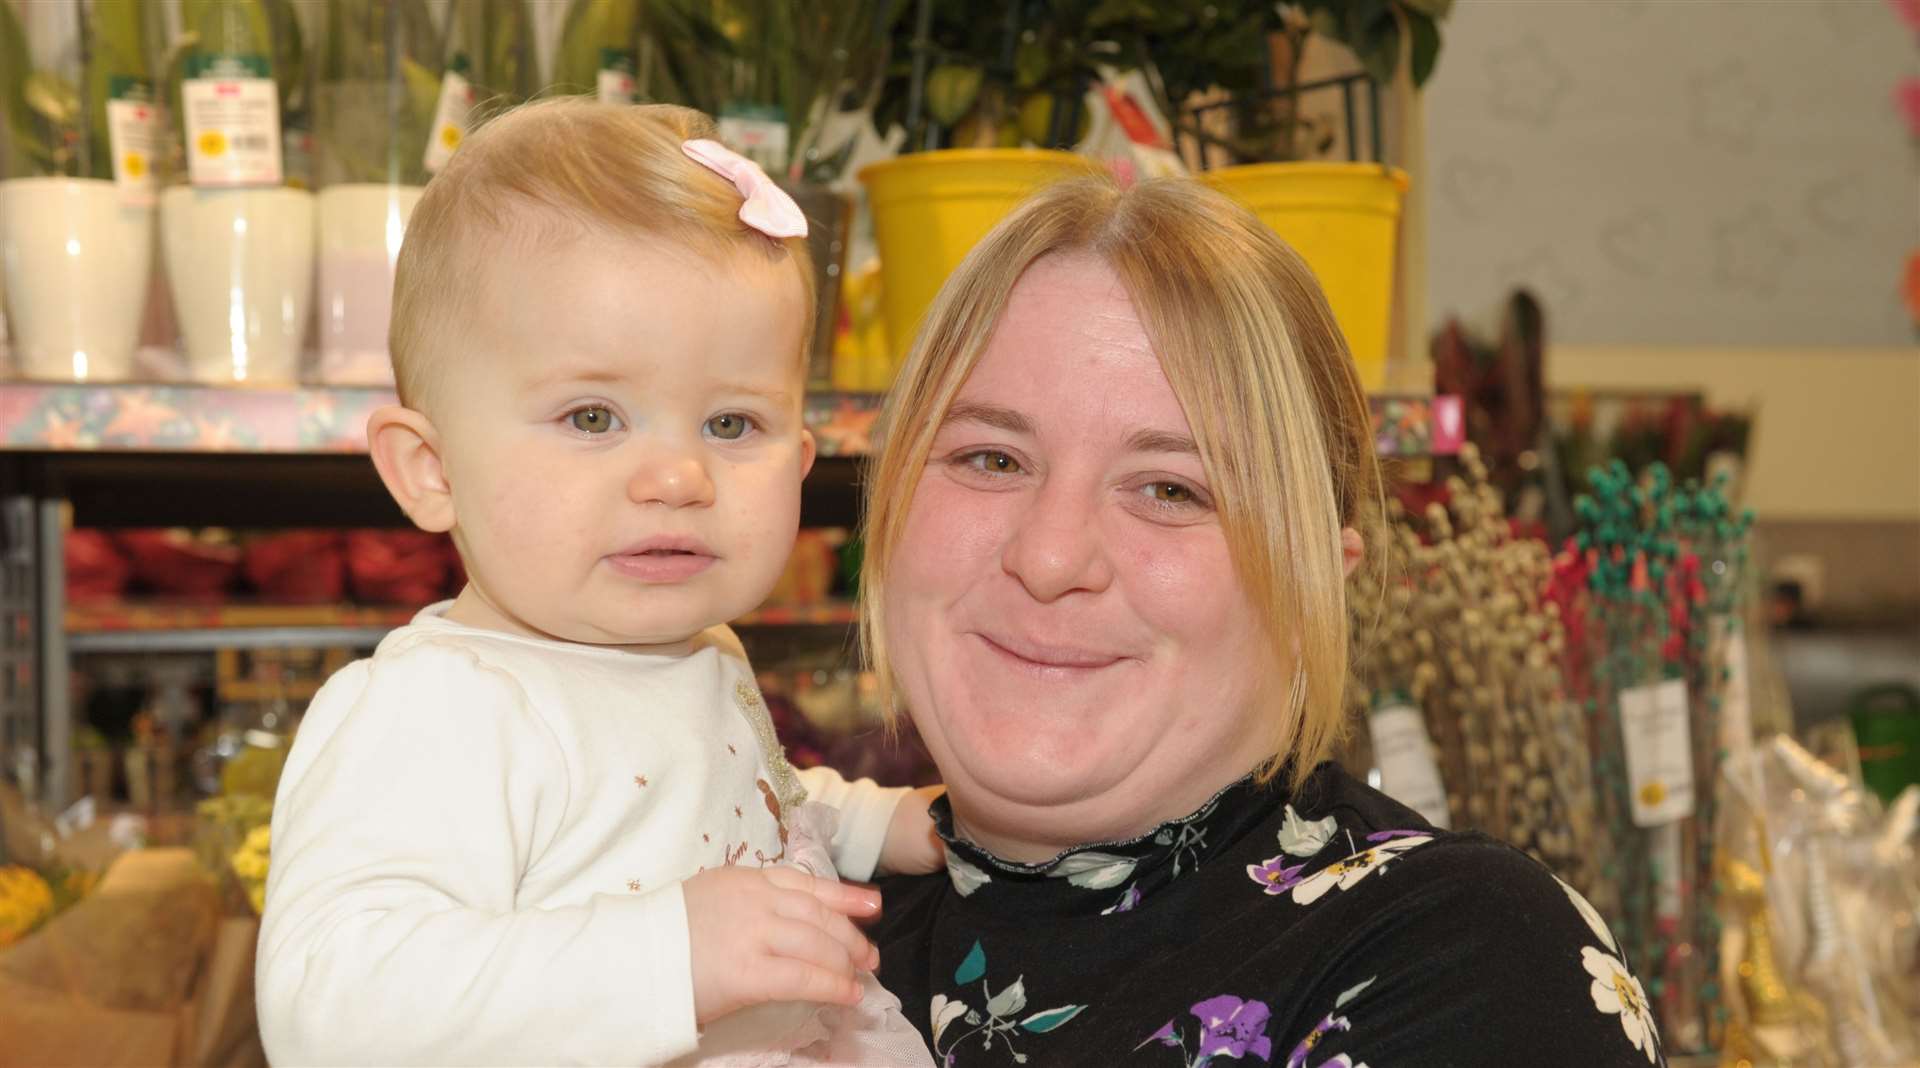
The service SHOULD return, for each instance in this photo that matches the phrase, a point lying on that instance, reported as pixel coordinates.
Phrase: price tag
(615, 83)
(133, 136)
(449, 120)
(758, 133)
(1654, 726)
(1408, 773)
(232, 121)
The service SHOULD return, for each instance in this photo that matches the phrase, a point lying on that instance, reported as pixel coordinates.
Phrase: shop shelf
(163, 626)
(37, 417)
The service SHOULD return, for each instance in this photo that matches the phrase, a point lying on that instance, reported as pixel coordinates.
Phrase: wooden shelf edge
(41, 417)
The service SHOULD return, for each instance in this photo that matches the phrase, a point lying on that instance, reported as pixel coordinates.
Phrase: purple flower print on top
(1386, 836)
(1274, 875)
(1230, 1027)
(1329, 1023)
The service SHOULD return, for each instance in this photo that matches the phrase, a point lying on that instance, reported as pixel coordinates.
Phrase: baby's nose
(677, 480)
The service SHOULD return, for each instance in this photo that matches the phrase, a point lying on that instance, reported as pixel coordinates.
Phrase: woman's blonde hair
(550, 169)
(1261, 370)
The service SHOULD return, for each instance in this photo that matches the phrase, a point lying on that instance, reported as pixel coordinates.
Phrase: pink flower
(1907, 96)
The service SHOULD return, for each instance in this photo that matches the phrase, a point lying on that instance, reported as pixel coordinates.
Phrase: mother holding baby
(1123, 476)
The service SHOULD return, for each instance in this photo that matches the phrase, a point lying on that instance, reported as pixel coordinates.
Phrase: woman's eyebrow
(1162, 441)
(990, 415)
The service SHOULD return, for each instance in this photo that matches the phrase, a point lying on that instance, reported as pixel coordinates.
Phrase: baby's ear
(406, 452)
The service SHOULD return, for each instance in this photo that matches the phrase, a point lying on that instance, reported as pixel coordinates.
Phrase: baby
(548, 821)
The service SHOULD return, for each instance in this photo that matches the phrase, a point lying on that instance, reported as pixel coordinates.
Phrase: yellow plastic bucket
(931, 208)
(1343, 219)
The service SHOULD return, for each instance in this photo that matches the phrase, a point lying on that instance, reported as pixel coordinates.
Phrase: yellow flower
(249, 864)
(25, 900)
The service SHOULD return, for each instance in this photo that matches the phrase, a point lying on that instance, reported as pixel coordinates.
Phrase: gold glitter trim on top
(786, 783)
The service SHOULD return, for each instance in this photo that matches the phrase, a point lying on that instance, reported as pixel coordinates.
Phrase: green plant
(379, 83)
(1001, 74)
(56, 123)
(596, 33)
(1200, 46)
(801, 62)
(491, 43)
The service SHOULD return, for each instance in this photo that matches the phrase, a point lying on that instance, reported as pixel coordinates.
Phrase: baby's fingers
(790, 979)
(812, 912)
(844, 898)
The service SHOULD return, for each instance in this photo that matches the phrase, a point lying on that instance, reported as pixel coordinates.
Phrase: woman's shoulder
(1437, 940)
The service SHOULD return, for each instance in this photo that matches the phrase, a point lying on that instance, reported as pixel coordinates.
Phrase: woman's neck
(1025, 835)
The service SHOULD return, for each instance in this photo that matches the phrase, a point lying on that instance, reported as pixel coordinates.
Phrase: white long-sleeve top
(479, 840)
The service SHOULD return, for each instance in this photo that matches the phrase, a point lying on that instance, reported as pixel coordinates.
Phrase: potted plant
(76, 218)
(599, 50)
(238, 231)
(997, 88)
(1246, 56)
(374, 105)
(790, 84)
(489, 49)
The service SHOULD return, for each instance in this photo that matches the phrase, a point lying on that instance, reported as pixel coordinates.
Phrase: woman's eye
(1169, 493)
(729, 427)
(597, 419)
(993, 462)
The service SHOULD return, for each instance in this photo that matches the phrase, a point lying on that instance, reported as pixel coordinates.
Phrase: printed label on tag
(449, 120)
(1654, 726)
(758, 133)
(1404, 755)
(133, 136)
(232, 122)
(615, 83)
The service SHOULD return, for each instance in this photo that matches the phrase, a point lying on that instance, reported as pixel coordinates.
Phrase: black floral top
(1332, 928)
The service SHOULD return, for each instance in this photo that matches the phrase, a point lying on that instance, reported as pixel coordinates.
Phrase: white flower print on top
(1616, 991)
(966, 878)
(1589, 914)
(1345, 873)
(1301, 838)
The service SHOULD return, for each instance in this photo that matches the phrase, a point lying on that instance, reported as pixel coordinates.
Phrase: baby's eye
(729, 426)
(597, 419)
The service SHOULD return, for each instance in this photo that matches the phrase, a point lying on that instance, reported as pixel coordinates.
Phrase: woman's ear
(406, 452)
(1353, 549)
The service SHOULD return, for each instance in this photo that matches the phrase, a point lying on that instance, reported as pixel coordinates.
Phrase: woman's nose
(674, 478)
(1057, 547)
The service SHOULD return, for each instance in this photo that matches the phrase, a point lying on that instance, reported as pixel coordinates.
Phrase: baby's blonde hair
(1250, 347)
(564, 165)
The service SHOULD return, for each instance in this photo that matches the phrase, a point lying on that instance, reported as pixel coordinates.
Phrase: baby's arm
(412, 807)
(881, 830)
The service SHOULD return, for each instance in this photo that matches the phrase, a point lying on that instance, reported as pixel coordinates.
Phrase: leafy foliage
(55, 123)
(379, 84)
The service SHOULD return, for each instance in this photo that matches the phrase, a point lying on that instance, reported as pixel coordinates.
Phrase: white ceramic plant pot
(361, 226)
(77, 261)
(241, 264)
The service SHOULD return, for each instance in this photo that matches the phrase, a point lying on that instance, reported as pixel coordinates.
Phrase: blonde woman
(1119, 489)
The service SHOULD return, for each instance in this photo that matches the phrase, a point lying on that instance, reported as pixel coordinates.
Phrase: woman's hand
(774, 934)
(911, 847)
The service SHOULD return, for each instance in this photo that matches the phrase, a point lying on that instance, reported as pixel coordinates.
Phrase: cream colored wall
(1837, 433)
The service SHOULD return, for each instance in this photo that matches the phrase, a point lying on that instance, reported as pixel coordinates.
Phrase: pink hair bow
(768, 208)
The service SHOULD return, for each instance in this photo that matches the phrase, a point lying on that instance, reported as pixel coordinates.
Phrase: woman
(1108, 529)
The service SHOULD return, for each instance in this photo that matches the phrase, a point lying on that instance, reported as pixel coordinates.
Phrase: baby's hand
(774, 934)
(912, 848)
